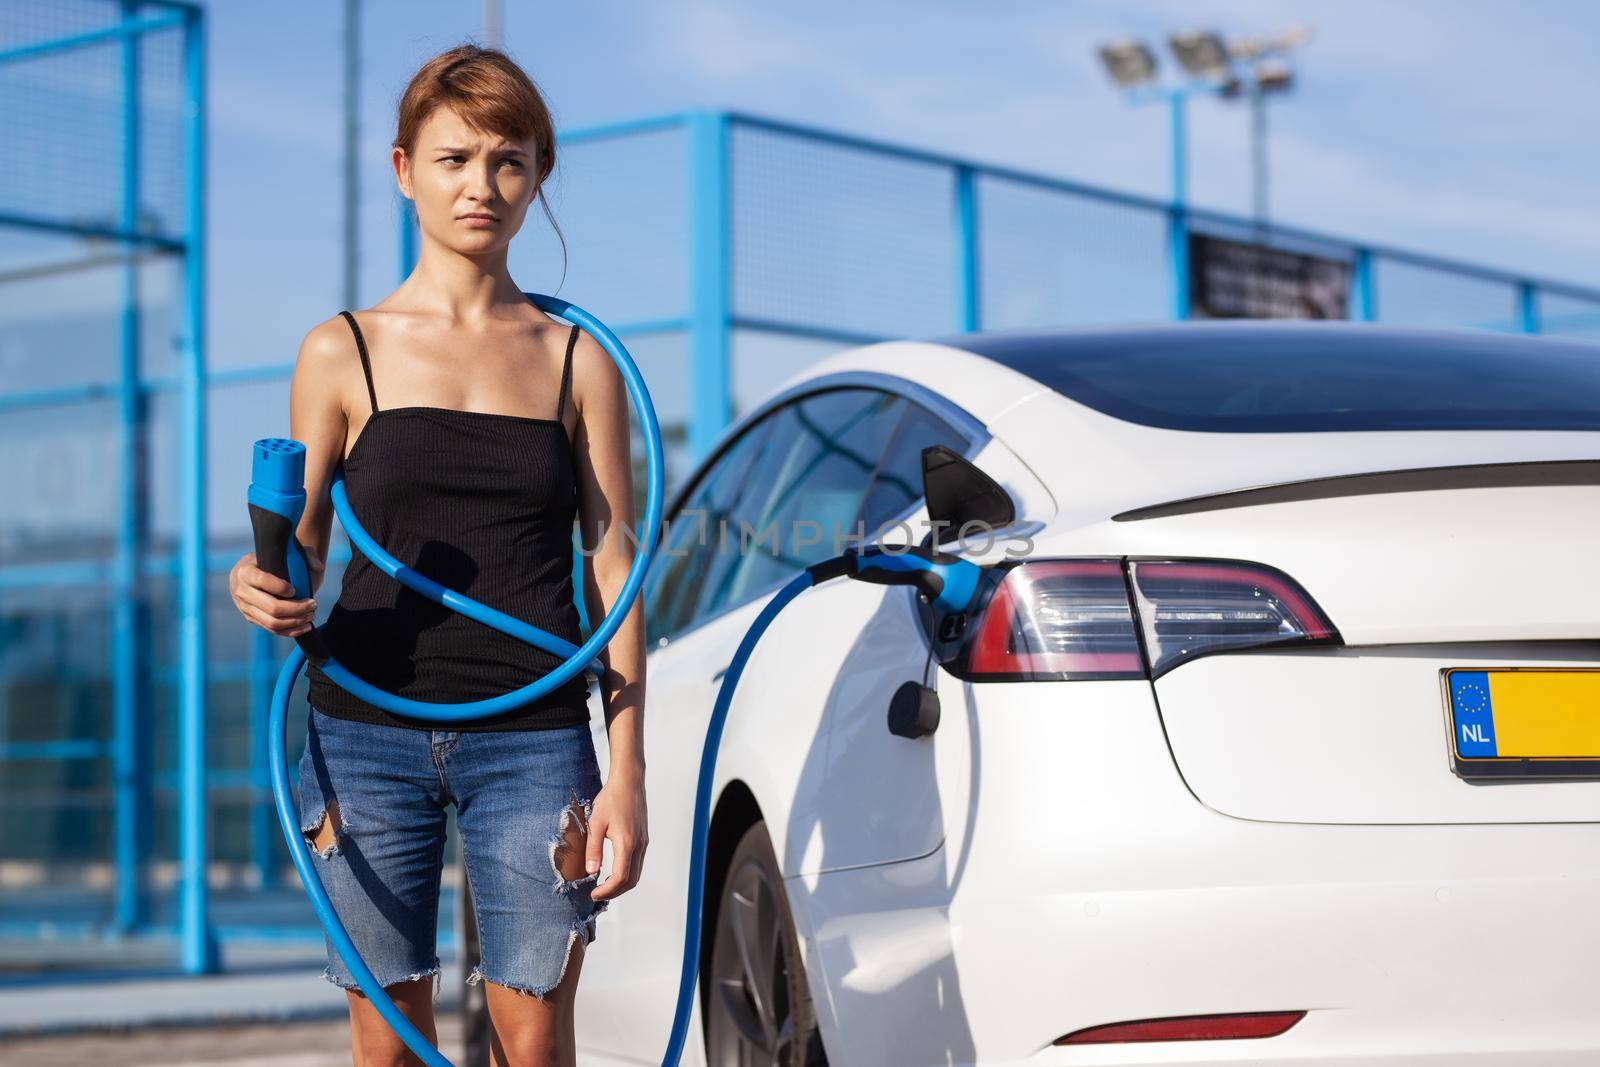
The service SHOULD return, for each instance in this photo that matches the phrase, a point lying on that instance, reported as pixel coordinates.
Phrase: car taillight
(1071, 620)
(1053, 620)
(1190, 607)
(1188, 1028)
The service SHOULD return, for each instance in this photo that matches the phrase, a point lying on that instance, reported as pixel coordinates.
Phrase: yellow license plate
(1524, 722)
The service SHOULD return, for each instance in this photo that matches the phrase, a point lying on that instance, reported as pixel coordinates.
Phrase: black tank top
(483, 504)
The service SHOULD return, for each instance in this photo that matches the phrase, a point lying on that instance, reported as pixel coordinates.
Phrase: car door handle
(718, 676)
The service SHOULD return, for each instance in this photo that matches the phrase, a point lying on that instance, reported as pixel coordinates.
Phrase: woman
(447, 402)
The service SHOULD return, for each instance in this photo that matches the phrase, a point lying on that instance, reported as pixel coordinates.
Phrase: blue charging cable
(277, 500)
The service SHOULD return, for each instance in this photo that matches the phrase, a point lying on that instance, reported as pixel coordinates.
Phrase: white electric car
(1275, 739)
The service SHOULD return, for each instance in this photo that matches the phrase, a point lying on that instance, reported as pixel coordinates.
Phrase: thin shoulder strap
(566, 371)
(366, 364)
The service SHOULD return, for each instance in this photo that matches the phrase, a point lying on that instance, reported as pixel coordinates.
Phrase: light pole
(352, 167)
(1132, 67)
(1210, 64)
(493, 24)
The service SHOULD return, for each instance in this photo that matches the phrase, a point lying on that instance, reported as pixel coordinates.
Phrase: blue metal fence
(727, 249)
(78, 81)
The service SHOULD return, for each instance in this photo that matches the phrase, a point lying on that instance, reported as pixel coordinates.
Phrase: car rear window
(1238, 381)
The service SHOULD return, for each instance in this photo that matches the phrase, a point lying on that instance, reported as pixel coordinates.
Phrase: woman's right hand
(267, 600)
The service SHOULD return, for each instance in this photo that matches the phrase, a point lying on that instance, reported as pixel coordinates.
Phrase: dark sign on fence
(1234, 280)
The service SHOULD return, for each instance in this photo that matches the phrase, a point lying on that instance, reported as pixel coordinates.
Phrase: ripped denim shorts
(518, 795)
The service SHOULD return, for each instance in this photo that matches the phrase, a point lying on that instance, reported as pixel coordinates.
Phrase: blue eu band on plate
(1524, 722)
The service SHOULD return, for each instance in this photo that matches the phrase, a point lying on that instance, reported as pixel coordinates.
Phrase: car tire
(759, 1002)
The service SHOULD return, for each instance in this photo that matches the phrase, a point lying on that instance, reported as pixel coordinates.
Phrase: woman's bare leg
(373, 1042)
(357, 1056)
(527, 1031)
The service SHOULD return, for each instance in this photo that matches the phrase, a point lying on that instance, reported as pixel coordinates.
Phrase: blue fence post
(1527, 307)
(966, 221)
(1365, 296)
(263, 819)
(1178, 256)
(198, 948)
(1177, 217)
(408, 236)
(709, 298)
(129, 649)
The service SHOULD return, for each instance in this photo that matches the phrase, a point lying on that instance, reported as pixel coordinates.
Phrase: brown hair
(491, 93)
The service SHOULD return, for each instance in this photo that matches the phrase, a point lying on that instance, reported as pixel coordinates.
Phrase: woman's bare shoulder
(595, 375)
(328, 349)
(327, 371)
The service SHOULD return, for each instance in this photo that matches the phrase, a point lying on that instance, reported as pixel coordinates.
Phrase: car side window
(688, 548)
(897, 485)
(805, 492)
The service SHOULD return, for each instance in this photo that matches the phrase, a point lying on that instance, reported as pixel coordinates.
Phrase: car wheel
(760, 1010)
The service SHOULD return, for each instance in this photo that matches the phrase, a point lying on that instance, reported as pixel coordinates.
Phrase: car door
(649, 917)
(805, 465)
(884, 799)
(840, 650)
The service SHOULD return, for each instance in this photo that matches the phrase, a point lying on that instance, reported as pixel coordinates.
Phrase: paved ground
(71, 999)
(306, 1044)
(260, 985)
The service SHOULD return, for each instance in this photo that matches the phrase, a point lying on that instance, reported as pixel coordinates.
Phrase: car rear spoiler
(1416, 479)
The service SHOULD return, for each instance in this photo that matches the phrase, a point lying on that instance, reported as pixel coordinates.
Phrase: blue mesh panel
(1422, 296)
(622, 205)
(66, 108)
(1569, 316)
(1049, 257)
(59, 481)
(827, 235)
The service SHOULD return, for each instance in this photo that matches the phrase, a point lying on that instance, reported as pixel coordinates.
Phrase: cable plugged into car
(945, 582)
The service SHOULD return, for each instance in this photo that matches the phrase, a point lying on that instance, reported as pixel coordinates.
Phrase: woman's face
(458, 172)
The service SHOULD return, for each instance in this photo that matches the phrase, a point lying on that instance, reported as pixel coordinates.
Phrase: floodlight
(1201, 53)
(1295, 36)
(1129, 62)
(1273, 74)
(1256, 47)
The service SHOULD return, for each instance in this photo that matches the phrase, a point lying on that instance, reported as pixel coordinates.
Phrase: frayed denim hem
(583, 928)
(353, 987)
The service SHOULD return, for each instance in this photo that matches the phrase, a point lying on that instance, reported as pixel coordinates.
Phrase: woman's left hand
(617, 813)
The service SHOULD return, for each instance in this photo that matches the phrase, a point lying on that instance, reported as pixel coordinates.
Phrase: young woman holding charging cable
(474, 430)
